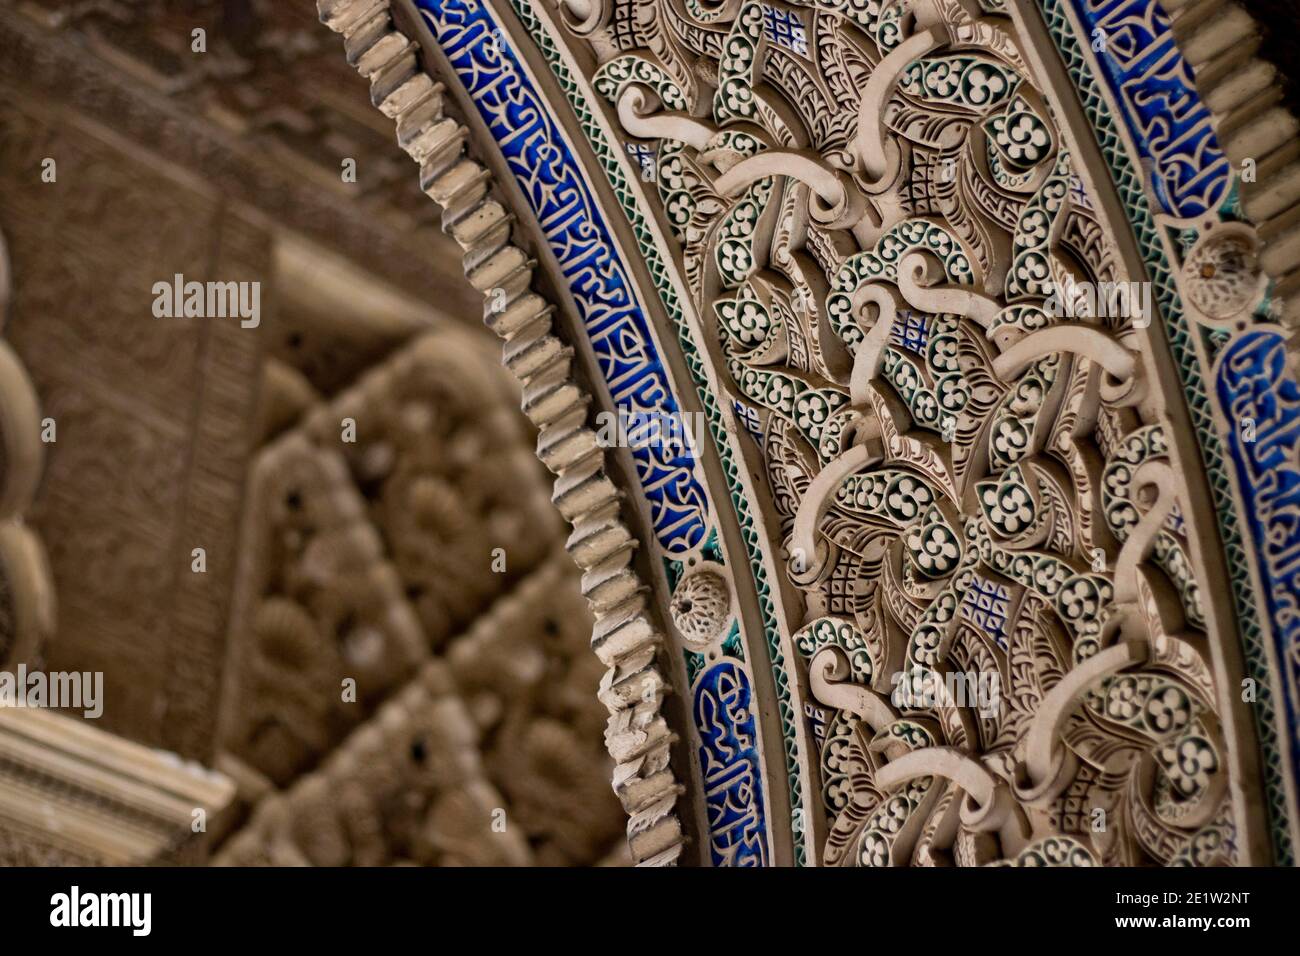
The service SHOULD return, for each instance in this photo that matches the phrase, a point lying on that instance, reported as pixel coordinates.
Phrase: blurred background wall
(379, 655)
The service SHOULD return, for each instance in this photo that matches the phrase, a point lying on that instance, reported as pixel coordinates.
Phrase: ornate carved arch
(986, 548)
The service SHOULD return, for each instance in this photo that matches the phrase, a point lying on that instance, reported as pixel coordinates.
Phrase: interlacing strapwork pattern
(1002, 627)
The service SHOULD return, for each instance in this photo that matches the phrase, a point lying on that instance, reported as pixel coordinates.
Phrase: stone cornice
(115, 801)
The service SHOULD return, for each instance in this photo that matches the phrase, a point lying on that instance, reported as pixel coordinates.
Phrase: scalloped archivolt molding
(625, 638)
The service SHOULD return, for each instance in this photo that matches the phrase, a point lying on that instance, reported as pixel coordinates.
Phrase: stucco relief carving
(365, 556)
(876, 206)
(488, 755)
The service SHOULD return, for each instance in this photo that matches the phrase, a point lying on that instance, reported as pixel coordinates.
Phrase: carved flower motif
(701, 607)
(1032, 270)
(1204, 845)
(1189, 764)
(1222, 272)
(680, 208)
(671, 174)
(1079, 600)
(933, 548)
(926, 640)
(1122, 699)
(1050, 577)
(1123, 516)
(984, 84)
(904, 375)
(875, 851)
(905, 500)
(1033, 226)
(926, 406)
(743, 218)
(940, 80)
(736, 96)
(1027, 140)
(751, 324)
(779, 393)
(953, 395)
(893, 815)
(1010, 438)
(944, 353)
(1168, 711)
(810, 411)
(1117, 481)
(1176, 564)
(1010, 509)
(1028, 396)
(889, 33)
(735, 259)
(940, 242)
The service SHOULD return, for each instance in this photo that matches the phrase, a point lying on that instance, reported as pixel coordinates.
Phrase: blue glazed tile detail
(542, 162)
(1262, 404)
(644, 157)
(783, 28)
(733, 794)
(911, 331)
(552, 182)
(986, 605)
(1156, 93)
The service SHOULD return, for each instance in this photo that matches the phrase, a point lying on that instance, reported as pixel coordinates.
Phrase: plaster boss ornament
(701, 607)
(1222, 273)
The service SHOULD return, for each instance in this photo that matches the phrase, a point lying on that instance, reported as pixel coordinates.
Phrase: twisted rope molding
(625, 637)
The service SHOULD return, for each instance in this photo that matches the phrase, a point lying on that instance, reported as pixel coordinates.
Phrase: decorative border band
(1165, 117)
(541, 159)
(607, 154)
